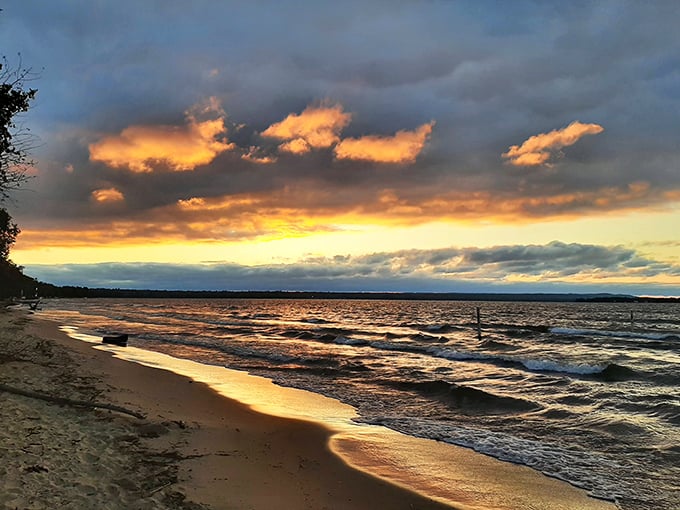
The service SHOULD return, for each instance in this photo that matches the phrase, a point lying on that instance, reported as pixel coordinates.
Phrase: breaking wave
(465, 398)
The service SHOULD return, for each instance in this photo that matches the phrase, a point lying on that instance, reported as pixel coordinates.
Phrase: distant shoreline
(51, 291)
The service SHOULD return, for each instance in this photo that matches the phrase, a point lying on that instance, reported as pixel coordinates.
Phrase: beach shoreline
(224, 454)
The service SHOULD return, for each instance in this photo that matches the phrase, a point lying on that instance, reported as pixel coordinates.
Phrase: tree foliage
(15, 140)
(8, 233)
(15, 143)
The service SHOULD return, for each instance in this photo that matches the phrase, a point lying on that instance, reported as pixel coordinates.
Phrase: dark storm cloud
(410, 270)
(490, 74)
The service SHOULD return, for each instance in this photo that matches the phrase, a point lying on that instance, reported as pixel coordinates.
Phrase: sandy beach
(194, 448)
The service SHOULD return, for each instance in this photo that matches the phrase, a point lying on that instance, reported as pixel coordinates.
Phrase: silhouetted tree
(8, 233)
(15, 143)
(15, 140)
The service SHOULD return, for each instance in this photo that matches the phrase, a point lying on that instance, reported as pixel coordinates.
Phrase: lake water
(585, 392)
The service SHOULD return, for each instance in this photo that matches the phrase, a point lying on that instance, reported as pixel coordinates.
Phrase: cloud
(446, 269)
(319, 127)
(255, 155)
(403, 147)
(107, 195)
(191, 203)
(403, 206)
(295, 146)
(548, 262)
(179, 147)
(303, 209)
(538, 149)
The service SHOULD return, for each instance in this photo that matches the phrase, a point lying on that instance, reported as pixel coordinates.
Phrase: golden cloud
(295, 146)
(319, 127)
(107, 195)
(538, 149)
(220, 204)
(191, 203)
(179, 147)
(403, 147)
(254, 155)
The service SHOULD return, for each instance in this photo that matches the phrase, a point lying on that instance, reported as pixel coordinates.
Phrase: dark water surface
(575, 390)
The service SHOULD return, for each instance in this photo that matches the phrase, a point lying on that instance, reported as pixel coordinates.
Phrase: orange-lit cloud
(179, 147)
(319, 127)
(403, 147)
(221, 204)
(191, 203)
(295, 146)
(254, 156)
(107, 195)
(538, 149)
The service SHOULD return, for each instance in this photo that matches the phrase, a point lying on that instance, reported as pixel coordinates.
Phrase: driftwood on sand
(70, 402)
(120, 340)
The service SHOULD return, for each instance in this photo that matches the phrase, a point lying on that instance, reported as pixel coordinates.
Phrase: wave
(614, 372)
(496, 345)
(535, 328)
(439, 328)
(266, 316)
(398, 346)
(227, 331)
(314, 320)
(332, 371)
(452, 354)
(620, 334)
(606, 372)
(326, 336)
(420, 337)
(299, 334)
(465, 398)
(667, 411)
(343, 340)
(390, 335)
(513, 330)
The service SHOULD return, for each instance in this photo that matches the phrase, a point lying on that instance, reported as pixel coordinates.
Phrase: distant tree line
(48, 290)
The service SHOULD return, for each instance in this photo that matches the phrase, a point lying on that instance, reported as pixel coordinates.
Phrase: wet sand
(196, 448)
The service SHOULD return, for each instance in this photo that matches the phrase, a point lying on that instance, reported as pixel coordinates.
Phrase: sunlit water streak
(575, 390)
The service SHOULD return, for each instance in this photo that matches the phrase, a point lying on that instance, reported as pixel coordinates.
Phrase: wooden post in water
(479, 326)
(631, 319)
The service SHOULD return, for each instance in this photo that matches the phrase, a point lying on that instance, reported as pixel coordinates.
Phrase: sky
(472, 146)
